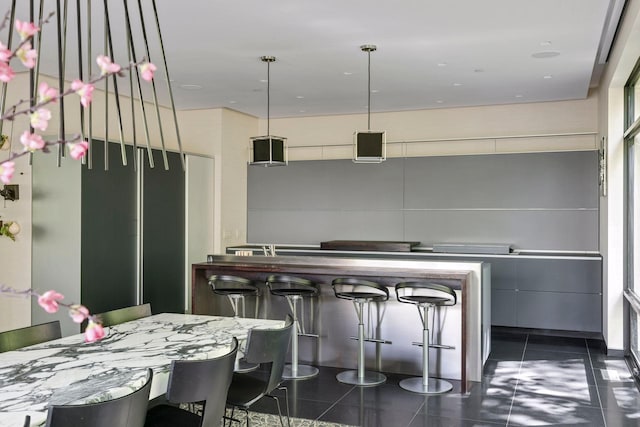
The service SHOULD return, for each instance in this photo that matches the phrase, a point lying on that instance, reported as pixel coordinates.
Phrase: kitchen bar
(465, 327)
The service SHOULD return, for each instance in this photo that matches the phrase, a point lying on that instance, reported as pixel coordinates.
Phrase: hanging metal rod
(368, 48)
(268, 60)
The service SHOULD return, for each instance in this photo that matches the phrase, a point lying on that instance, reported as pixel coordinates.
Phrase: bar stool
(426, 296)
(361, 292)
(295, 289)
(236, 288)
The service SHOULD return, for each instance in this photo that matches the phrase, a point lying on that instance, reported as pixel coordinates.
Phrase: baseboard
(548, 332)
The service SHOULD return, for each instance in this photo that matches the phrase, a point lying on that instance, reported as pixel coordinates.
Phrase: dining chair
(24, 337)
(126, 411)
(267, 347)
(121, 315)
(196, 381)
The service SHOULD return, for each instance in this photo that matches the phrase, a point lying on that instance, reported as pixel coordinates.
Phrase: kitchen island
(465, 327)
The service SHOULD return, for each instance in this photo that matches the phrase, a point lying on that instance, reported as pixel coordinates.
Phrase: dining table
(70, 371)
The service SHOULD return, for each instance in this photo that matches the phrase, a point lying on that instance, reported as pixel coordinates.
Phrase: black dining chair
(126, 411)
(126, 314)
(268, 347)
(31, 335)
(205, 382)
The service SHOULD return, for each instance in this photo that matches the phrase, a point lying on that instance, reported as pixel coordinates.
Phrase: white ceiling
(431, 54)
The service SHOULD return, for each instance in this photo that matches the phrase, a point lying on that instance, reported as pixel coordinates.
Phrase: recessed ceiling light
(442, 64)
(545, 54)
(302, 111)
(233, 102)
(457, 84)
(439, 101)
(191, 87)
(374, 91)
(519, 95)
(347, 73)
(299, 97)
(548, 76)
(263, 80)
(545, 43)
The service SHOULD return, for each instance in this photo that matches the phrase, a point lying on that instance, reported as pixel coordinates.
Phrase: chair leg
(280, 411)
(286, 401)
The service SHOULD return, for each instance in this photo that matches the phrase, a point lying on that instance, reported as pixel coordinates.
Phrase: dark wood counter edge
(263, 269)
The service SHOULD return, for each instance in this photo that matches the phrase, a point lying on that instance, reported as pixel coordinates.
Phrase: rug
(258, 419)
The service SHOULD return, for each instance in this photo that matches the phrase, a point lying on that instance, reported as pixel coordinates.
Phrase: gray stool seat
(360, 292)
(294, 289)
(425, 296)
(236, 289)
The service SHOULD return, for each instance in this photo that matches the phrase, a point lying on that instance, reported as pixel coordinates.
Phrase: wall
(533, 201)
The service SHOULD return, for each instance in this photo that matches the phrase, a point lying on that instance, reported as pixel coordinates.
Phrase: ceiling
(430, 54)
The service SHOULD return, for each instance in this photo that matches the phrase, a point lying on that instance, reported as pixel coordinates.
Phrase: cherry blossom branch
(50, 301)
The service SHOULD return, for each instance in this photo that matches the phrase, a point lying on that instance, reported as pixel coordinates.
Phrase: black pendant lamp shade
(268, 150)
(369, 146)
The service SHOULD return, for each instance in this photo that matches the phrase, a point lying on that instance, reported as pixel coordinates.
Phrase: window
(632, 143)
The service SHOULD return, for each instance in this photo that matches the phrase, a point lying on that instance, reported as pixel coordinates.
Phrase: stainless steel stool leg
(361, 377)
(294, 371)
(424, 384)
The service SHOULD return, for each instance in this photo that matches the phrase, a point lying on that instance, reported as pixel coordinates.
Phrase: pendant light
(268, 150)
(369, 146)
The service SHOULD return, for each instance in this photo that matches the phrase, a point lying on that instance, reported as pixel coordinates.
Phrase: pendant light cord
(369, 92)
(268, 95)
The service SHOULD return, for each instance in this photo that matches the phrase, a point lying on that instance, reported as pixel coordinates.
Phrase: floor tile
(423, 420)
(362, 415)
(470, 407)
(560, 344)
(548, 412)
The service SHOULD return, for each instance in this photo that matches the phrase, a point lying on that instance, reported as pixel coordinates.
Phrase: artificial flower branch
(51, 301)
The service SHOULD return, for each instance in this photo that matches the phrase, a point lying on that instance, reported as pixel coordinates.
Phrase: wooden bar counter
(465, 326)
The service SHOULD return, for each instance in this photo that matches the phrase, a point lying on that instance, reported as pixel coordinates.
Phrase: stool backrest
(425, 289)
(31, 335)
(126, 411)
(278, 282)
(344, 285)
(205, 381)
(229, 283)
(270, 346)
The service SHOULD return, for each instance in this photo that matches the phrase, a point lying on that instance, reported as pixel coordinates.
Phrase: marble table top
(69, 371)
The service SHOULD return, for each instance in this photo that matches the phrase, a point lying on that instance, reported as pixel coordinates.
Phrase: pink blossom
(40, 118)
(5, 54)
(27, 55)
(94, 332)
(78, 313)
(78, 150)
(31, 141)
(105, 64)
(49, 301)
(6, 171)
(47, 93)
(26, 29)
(147, 69)
(6, 72)
(84, 90)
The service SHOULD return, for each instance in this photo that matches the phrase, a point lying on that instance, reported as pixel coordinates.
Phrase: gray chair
(295, 289)
(361, 292)
(31, 335)
(267, 347)
(425, 296)
(126, 411)
(126, 314)
(205, 382)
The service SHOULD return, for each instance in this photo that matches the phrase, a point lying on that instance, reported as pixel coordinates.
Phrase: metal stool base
(369, 379)
(435, 386)
(304, 372)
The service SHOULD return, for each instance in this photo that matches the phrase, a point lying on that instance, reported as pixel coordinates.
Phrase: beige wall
(545, 126)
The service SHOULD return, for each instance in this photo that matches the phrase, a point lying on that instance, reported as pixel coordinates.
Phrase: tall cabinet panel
(108, 231)
(163, 206)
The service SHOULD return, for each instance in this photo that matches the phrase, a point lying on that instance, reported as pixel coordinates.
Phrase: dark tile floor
(528, 380)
